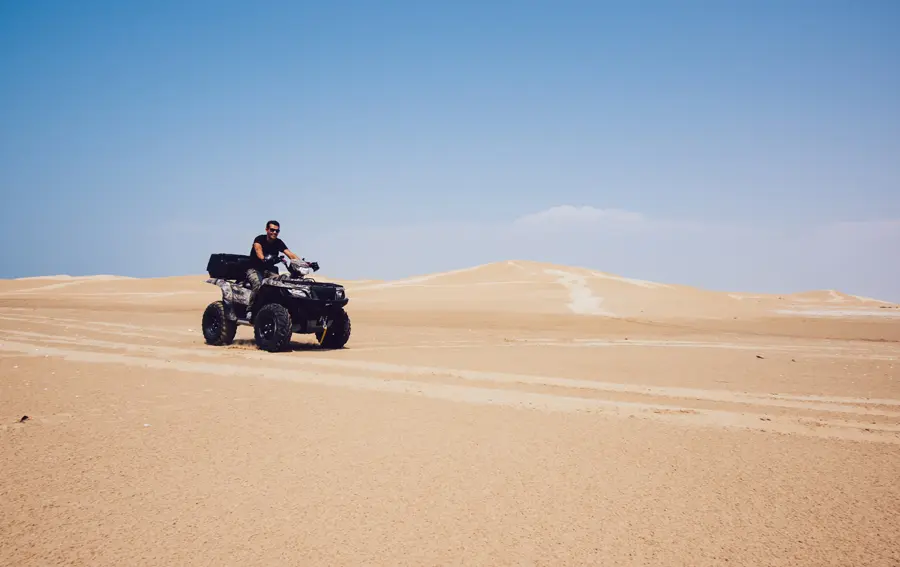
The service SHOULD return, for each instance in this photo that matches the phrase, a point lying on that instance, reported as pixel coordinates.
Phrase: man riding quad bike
(282, 304)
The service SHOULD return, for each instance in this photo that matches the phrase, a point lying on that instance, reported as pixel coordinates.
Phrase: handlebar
(301, 263)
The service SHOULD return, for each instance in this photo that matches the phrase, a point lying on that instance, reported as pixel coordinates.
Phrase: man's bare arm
(258, 248)
(290, 254)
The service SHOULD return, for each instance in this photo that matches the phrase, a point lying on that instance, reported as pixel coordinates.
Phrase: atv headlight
(299, 291)
(339, 293)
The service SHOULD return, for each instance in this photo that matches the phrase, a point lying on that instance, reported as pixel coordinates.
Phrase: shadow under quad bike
(285, 304)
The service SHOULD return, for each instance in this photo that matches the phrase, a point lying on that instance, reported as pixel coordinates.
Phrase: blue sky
(749, 146)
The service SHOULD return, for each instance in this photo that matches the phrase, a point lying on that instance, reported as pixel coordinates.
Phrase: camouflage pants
(255, 277)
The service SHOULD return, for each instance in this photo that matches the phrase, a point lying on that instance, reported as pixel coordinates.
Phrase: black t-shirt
(272, 247)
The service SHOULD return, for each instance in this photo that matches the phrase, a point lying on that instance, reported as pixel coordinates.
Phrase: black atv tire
(217, 329)
(272, 327)
(338, 333)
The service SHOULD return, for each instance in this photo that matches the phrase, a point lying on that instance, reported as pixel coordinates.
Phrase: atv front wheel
(217, 329)
(338, 333)
(272, 328)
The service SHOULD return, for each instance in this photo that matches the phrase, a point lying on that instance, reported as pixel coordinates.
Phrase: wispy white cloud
(589, 219)
(585, 214)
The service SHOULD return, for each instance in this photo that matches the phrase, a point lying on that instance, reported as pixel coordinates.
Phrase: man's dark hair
(275, 222)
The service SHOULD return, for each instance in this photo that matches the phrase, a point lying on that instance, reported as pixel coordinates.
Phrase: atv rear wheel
(272, 327)
(338, 333)
(217, 329)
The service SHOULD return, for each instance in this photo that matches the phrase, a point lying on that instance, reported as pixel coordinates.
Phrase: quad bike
(284, 304)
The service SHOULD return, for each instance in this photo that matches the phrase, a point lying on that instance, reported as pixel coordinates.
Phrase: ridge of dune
(521, 286)
(539, 287)
(493, 272)
(67, 277)
(834, 296)
(515, 270)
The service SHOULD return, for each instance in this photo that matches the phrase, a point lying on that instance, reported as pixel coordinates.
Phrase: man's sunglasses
(275, 230)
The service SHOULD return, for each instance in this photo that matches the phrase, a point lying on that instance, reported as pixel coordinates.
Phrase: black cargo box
(228, 266)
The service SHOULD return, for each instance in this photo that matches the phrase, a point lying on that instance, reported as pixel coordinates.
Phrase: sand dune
(75, 278)
(515, 413)
(520, 286)
(513, 286)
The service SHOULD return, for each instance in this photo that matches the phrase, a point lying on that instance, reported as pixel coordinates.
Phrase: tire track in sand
(167, 358)
(839, 404)
(808, 350)
(826, 403)
(849, 405)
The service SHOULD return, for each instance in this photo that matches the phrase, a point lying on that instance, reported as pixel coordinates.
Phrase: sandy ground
(509, 414)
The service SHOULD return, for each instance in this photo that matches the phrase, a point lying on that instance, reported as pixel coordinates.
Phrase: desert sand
(515, 413)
